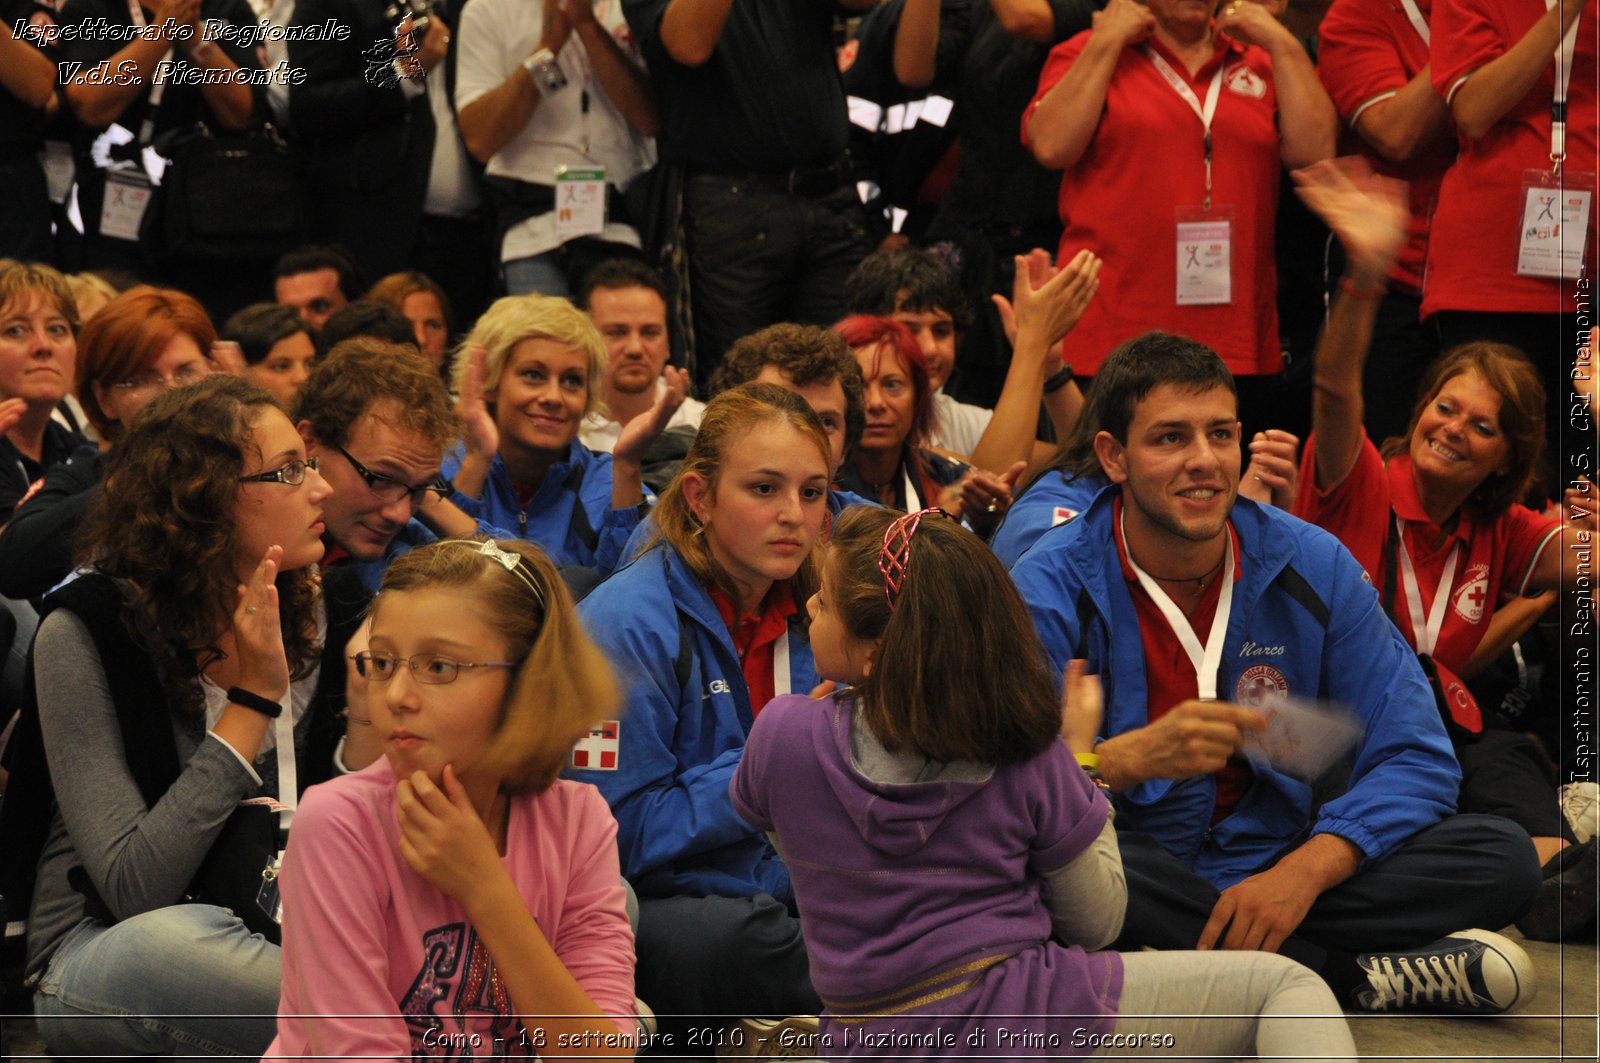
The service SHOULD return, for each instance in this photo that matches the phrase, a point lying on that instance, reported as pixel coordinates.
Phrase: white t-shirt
(957, 426)
(494, 38)
(599, 433)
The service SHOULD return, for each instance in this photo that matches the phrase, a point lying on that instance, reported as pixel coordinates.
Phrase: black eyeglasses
(389, 489)
(292, 473)
(431, 668)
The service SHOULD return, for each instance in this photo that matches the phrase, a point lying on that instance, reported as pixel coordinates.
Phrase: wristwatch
(541, 66)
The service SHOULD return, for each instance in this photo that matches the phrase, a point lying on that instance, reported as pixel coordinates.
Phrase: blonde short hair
(515, 318)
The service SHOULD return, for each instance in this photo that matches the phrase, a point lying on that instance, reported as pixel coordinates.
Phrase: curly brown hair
(361, 374)
(164, 522)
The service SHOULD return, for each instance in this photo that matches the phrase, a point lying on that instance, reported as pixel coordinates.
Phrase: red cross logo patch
(597, 750)
(1258, 682)
(1474, 594)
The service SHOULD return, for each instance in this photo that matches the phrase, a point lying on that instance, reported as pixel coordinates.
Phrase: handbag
(227, 197)
(240, 871)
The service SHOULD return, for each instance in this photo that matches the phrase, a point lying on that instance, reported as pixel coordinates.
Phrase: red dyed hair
(865, 330)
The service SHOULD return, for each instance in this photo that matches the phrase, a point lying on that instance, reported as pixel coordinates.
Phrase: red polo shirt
(1169, 674)
(1496, 557)
(1367, 51)
(1472, 259)
(1145, 163)
(753, 639)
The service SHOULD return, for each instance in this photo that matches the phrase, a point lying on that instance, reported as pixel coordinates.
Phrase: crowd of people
(745, 580)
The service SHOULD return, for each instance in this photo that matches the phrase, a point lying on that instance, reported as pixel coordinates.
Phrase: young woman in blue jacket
(534, 371)
(704, 628)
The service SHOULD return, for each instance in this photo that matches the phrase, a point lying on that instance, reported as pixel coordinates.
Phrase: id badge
(267, 898)
(1555, 224)
(59, 169)
(1205, 257)
(580, 202)
(127, 197)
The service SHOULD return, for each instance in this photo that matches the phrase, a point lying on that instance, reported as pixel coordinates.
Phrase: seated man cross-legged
(1190, 603)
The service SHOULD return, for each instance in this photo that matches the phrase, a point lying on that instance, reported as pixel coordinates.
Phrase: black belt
(807, 182)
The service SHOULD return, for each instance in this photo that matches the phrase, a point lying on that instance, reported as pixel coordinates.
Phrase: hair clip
(509, 560)
(894, 560)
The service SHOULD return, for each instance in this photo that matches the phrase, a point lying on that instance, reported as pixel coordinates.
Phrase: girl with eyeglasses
(956, 868)
(175, 708)
(457, 895)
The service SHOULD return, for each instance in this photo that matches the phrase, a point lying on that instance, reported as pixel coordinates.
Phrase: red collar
(1122, 547)
(1222, 48)
(755, 629)
(1407, 502)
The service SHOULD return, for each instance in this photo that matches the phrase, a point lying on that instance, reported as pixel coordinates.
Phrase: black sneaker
(1471, 972)
(1566, 904)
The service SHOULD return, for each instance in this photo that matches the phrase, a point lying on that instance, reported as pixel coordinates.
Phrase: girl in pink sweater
(456, 898)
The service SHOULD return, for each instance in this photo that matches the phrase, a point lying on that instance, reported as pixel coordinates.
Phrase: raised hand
(482, 435)
(257, 632)
(1367, 211)
(1055, 305)
(1273, 475)
(1124, 20)
(641, 431)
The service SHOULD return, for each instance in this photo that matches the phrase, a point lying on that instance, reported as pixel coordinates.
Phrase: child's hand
(1082, 705)
(442, 838)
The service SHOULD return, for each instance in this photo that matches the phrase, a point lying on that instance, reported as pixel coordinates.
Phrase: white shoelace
(1403, 979)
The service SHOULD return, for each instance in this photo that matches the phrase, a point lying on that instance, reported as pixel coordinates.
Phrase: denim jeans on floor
(187, 980)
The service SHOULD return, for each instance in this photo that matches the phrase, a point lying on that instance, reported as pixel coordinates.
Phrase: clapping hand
(1367, 211)
(257, 632)
(644, 429)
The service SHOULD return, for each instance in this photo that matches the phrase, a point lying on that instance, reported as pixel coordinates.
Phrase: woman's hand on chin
(443, 838)
(258, 633)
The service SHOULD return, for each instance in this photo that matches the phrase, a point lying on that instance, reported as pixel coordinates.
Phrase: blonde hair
(563, 684)
(19, 281)
(515, 318)
(728, 417)
(84, 285)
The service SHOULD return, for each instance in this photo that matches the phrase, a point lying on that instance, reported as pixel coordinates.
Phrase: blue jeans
(187, 980)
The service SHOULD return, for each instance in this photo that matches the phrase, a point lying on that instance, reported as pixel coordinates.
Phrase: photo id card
(1205, 258)
(580, 202)
(127, 197)
(1555, 224)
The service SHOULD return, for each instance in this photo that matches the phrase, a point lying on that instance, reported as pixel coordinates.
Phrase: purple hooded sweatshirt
(922, 903)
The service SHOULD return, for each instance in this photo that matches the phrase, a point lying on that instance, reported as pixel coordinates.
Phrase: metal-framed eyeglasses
(435, 669)
(292, 473)
(189, 374)
(388, 489)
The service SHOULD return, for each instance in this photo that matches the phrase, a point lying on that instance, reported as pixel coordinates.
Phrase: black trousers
(1463, 872)
(758, 256)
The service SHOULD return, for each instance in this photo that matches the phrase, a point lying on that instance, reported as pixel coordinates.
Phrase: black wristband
(1058, 380)
(255, 702)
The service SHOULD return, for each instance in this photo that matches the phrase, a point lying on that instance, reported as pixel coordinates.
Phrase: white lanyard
(1424, 633)
(1414, 13)
(913, 500)
(1208, 658)
(781, 682)
(288, 781)
(1185, 93)
(147, 129)
(1558, 105)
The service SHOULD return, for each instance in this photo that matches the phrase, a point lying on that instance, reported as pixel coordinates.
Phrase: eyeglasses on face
(433, 668)
(292, 473)
(388, 489)
(189, 374)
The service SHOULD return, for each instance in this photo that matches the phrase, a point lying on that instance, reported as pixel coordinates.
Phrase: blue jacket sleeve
(665, 810)
(1405, 776)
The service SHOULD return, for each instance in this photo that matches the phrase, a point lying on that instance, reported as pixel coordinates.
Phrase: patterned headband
(894, 559)
(511, 561)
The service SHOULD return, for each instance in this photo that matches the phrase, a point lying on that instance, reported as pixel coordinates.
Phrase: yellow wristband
(1087, 760)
